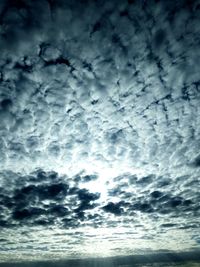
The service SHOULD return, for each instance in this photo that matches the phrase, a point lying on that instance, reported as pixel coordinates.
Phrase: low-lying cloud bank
(167, 257)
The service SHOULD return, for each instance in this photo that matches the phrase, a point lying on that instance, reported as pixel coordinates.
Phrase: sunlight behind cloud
(105, 173)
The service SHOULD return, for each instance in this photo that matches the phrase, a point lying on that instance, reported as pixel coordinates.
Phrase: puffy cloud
(113, 208)
(44, 199)
(99, 125)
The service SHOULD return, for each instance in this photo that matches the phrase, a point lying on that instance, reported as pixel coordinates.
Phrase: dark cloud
(33, 193)
(146, 180)
(6, 104)
(86, 201)
(85, 195)
(156, 194)
(143, 207)
(168, 225)
(196, 162)
(27, 213)
(114, 208)
(88, 178)
(43, 201)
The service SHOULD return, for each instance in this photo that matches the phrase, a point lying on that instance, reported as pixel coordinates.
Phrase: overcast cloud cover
(99, 127)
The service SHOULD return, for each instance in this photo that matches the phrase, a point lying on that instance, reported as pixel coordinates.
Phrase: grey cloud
(139, 197)
(44, 200)
(88, 178)
(196, 162)
(84, 195)
(156, 194)
(46, 196)
(114, 208)
(88, 88)
(168, 225)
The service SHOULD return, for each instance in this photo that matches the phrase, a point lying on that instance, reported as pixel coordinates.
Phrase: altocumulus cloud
(99, 127)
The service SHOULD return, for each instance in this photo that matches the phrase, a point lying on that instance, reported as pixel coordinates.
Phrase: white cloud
(103, 89)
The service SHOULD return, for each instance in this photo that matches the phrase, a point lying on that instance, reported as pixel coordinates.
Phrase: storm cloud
(99, 127)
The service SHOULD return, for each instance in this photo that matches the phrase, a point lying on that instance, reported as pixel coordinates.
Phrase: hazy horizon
(156, 259)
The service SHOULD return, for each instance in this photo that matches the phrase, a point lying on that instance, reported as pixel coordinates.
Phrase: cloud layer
(99, 132)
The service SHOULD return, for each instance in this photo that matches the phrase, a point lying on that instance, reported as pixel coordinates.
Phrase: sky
(99, 128)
